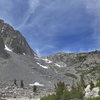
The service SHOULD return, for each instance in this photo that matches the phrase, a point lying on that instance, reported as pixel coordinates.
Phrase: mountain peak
(14, 40)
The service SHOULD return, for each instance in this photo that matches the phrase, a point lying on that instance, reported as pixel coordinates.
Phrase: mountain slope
(18, 61)
(22, 62)
(76, 64)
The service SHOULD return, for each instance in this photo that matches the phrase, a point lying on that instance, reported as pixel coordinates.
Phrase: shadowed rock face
(1, 45)
(14, 40)
(3, 53)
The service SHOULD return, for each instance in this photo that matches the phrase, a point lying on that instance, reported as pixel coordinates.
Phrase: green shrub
(2, 99)
(50, 97)
(66, 95)
(96, 98)
(71, 75)
(75, 99)
(98, 84)
(82, 82)
(77, 92)
(44, 98)
(21, 84)
(59, 88)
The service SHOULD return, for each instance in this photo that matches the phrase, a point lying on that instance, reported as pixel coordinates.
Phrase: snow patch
(47, 60)
(24, 54)
(36, 84)
(87, 89)
(2, 30)
(45, 67)
(57, 65)
(36, 58)
(8, 49)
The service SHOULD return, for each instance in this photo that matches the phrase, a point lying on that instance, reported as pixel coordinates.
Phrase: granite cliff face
(14, 40)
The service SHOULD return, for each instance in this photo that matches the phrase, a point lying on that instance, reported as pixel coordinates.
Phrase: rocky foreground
(12, 92)
(22, 99)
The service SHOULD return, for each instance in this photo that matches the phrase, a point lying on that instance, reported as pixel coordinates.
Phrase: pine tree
(77, 91)
(81, 92)
(21, 84)
(82, 82)
(34, 88)
(15, 82)
(59, 88)
(66, 95)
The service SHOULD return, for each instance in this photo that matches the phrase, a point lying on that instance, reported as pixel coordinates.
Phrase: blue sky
(52, 26)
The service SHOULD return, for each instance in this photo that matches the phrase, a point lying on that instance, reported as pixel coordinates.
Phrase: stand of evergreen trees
(77, 92)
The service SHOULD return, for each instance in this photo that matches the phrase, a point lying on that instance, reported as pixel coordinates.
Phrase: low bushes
(96, 98)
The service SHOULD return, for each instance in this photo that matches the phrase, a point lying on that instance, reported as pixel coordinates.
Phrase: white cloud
(56, 15)
(52, 16)
(33, 4)
(37, 52)
(40, 49)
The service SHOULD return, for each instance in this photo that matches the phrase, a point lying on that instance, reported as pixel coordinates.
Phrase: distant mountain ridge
(86, 64)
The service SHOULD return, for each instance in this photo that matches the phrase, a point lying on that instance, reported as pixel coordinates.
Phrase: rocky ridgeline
(86, 64)
(14, 40)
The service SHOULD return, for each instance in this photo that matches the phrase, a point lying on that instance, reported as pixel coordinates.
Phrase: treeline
(77, 92)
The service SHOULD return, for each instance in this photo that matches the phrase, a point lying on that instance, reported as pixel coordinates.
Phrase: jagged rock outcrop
(14, 40)
(3, 53)
(91, 93)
